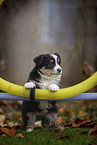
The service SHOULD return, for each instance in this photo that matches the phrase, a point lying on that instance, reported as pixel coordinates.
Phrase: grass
(40, 136)
(73, 136)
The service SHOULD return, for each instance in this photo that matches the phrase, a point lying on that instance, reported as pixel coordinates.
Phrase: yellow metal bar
(14, 89)
(68, 92)
(46, 94)
(1, 1)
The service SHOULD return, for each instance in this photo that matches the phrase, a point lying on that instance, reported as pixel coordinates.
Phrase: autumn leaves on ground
(78, 114)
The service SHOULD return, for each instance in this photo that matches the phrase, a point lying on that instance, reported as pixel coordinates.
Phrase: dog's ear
(38, 60)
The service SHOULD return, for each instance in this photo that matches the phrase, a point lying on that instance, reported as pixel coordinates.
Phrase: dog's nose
(59, 70)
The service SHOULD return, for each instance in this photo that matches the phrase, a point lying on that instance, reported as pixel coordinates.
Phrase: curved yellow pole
(14, 89)
(49, 95)
(1, 1)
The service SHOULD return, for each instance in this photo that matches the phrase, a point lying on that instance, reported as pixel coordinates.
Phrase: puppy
(45, 75)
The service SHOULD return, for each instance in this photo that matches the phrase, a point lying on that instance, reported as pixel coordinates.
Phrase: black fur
(31, 110)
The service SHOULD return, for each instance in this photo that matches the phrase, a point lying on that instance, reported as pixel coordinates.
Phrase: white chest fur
(45, 82)
(44, 105)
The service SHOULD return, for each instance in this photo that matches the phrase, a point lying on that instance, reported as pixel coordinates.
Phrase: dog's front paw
(29, 85)
(53, 87)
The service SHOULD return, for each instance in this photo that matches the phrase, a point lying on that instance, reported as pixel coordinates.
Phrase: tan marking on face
(46, 71)
(58, 60)
(51, 60)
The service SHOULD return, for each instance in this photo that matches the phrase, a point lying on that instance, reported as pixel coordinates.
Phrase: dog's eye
(50, 64)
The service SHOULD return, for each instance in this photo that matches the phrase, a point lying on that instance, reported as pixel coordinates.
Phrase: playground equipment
(76, 92)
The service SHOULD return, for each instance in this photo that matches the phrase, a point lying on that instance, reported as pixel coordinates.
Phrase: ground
(76, 124)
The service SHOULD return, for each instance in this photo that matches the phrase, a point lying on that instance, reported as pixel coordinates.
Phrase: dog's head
(49, 64)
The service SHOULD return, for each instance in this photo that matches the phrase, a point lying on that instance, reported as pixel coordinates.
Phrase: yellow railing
(49, 95)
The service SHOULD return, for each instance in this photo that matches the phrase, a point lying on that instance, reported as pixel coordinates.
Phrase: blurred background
(29, 28)
(32, 27)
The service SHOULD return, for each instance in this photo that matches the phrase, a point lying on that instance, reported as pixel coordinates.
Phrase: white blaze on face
(57, 66)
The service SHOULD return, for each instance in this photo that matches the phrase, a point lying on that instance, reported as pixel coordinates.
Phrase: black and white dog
(45, 75)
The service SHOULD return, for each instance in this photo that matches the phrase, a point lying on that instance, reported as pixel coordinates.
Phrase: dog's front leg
(53, 87)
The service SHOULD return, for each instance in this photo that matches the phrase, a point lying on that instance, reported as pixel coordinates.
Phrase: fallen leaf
(4, 135)
(93, 144)
(10, 124)
(1, 111)
(93, 131)
(2, 124)
(5, 130)
(68, 124)
(59, 120)
(60, 127)
(88, 123)
(10, 132)
(88, 118)
(75, 125)
(19, 135)
(18, 125)
(2, 118)
(61, 110)
(38, 124)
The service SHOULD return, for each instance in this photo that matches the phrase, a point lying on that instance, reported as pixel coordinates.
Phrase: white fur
(53, 87)
(57, 66)
(29, 85)
(47, 82)
(44, 105)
